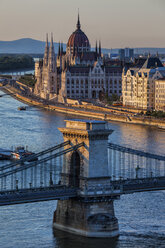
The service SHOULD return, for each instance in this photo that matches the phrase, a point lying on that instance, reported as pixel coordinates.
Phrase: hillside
(31, 46)
(26, 46)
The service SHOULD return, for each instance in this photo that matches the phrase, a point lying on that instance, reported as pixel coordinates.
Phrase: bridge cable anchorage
(34, 156)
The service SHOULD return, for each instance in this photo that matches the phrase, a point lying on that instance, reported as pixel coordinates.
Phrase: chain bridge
(83, 170)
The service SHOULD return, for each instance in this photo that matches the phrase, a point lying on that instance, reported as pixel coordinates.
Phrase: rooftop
(152, 62)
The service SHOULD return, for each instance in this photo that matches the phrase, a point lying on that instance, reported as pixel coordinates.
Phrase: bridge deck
(55, 192)
(59, 192)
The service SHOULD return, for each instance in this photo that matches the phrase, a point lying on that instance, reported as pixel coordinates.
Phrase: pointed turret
(96, 47)
(46, 51)
(51, 60)
(99, 48)
(61, 48)
(78, 22)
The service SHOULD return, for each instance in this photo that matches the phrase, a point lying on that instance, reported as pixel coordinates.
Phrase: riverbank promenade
(79, 108)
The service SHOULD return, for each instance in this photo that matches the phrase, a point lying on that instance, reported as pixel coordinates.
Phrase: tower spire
(78, 21)
(51, 55)
(99, 48)
(46, 51)
(96, 47)
(61, 48)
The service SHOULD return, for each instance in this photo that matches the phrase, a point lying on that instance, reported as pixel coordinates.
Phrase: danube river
(141, 216)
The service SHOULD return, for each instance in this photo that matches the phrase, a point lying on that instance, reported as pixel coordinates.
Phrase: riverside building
(139, 84)
(160, 94)
(77, 73)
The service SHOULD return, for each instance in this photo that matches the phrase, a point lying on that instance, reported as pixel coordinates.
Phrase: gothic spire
(51, 44)
(51, 55)
(61, 48)
(96, 48)
(46, 51)
(99, 48)
(78, 22)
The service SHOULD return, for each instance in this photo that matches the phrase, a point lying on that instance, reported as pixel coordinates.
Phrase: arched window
(74, 176)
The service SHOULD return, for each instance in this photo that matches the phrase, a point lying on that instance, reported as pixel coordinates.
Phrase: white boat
(20, 152)
(22, 108)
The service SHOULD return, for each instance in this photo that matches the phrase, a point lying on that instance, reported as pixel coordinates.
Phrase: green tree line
(9, 62)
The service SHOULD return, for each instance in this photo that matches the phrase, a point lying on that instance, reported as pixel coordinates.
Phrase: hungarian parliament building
(78, 72)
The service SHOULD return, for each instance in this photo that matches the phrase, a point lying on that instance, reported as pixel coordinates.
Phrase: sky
(117, 23)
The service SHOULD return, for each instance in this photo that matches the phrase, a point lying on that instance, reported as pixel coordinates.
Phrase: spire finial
(46, 51)
(96, 47)
(46, 38)
(99, 48)
(51, 37)
(78, 21)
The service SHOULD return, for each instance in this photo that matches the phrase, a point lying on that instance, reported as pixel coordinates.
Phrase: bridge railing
(127, 163)
(116, 188)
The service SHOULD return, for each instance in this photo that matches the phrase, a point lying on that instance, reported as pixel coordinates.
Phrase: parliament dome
(78, 39)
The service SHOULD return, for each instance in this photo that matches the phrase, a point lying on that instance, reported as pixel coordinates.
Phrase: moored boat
(20, 153)
(22, 108)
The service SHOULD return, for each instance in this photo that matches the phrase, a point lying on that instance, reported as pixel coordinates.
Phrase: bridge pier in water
(86, 169)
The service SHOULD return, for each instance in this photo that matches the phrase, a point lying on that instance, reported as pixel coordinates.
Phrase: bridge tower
(86, 168)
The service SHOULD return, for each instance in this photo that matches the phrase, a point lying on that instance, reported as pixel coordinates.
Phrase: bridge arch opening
(74, 179)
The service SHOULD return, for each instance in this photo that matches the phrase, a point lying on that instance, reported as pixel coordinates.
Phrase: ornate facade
(138, 84)
(160, 94)
(77, 73)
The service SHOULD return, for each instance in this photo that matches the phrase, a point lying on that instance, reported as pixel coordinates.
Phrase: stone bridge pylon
(86, 168)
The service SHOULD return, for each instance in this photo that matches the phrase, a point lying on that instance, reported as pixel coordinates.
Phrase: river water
(19, 72)
(141, 216)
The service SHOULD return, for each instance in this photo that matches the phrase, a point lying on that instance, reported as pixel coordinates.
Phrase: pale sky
(117, 23)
